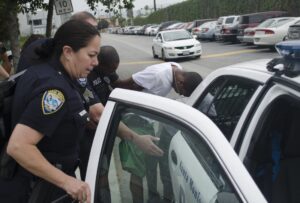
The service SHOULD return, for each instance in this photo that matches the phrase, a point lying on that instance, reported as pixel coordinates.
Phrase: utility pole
(154, 2)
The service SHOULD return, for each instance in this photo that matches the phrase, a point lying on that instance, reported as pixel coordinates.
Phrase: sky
(79, 5)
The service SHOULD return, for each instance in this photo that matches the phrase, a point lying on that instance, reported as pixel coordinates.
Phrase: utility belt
(43, 191)
(67, 164)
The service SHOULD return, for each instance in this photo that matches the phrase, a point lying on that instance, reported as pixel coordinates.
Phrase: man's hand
(146, 144)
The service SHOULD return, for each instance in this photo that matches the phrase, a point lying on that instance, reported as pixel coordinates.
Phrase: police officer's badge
(52, 101)
(82, 81)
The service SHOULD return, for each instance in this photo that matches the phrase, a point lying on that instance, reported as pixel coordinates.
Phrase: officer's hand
(146, 144)
(78, 190)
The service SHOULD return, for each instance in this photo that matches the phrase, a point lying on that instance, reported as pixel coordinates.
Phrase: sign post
(63, 6)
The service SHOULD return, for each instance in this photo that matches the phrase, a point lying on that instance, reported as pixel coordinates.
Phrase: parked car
(164, 25)
(294, 32)
(173, 26)
(250, 31)
(197, 23)
(269, 36)
(220, 23)
(143, 29)
(175, 44)
(185, 26)
(254, 105)
(151, 30)
(253, 19)
(206, 30)
(229, 29)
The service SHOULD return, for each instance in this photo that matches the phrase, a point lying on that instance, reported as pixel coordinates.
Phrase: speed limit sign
(63, 6)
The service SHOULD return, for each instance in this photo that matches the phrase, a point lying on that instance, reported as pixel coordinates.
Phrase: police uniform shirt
(46, 101)
(28, 56)
(87, 92)
(101, 84)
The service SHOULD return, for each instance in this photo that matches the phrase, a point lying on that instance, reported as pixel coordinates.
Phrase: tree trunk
(49, 18)
(13, 31)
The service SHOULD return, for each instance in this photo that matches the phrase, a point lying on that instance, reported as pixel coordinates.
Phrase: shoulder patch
(52, 101)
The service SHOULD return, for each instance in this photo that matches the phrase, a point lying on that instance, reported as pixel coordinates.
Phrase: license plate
(185, 53)
(260, 32)
(295, 35)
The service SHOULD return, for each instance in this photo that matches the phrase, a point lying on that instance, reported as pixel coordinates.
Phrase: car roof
(259, 66)
(166, 31)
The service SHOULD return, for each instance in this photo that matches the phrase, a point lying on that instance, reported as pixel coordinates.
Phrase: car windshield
(220, 21)
(266, 23)
(229, 20)
(179, 35)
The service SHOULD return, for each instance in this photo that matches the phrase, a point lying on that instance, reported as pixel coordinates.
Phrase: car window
(229, 20)
(159, 36)
(126, 173)
(274, 149)
(225, 101)
(266, 23)
(220, 21)
(173, 36)
(256, 18)
(282, 22)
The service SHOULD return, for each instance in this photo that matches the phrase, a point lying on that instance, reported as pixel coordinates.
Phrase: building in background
(36, 23)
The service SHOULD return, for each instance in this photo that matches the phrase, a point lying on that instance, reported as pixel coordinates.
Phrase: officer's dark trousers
(24, 188)
(15, 190)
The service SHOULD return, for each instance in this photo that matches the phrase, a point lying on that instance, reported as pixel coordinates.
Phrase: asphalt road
(135, 54)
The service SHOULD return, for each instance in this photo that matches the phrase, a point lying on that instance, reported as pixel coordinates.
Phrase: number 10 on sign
(63, 6)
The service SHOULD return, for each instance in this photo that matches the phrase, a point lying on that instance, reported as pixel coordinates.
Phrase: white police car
(254, 106)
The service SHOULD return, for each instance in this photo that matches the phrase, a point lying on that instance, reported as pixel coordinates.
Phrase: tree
(49, 18)
(103, 24)
(9, 27)
(146, 9)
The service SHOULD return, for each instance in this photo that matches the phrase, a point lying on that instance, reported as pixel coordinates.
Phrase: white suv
(243, 147)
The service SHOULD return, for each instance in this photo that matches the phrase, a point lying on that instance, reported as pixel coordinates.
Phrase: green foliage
(103, 24)
(112, 5)
(200, 9)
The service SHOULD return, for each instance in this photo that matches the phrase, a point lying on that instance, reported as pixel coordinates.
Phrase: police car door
(198, 164)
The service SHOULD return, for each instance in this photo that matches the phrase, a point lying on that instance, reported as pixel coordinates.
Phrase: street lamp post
(154, 2)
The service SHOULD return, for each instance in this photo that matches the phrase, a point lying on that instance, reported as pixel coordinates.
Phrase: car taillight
(250, 33)
(204, 29)
(267, 32)
(227, 31)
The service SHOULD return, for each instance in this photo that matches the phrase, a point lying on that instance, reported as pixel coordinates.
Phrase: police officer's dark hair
(108, 56)
(83, 16)
(191, 81)
(2, 50)
(73, 33)
(31, 39)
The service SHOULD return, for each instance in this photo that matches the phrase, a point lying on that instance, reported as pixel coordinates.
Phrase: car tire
(198, 57)
(213, 38)
(153, 52)
(163, 56)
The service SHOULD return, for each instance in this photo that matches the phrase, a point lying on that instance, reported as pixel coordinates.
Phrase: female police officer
(49, 116)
